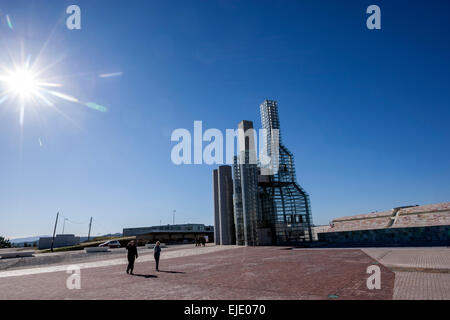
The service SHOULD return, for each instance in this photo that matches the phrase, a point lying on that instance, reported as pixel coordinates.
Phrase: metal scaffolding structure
(270, 207)
(284, 204)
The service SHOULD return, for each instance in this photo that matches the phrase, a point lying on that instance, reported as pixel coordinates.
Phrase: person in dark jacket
(157, 253)
(132, 255)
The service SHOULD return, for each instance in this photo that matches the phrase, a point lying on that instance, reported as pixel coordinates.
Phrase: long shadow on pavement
(146, 276)
(172, 271)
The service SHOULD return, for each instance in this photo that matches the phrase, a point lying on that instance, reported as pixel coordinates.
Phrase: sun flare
(22, 82)
(27, 85)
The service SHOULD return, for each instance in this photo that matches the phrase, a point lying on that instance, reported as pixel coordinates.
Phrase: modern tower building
(216, 207)
(284, 203)
(270, 207)
(223, 206)
(246, 186)
(238, 206)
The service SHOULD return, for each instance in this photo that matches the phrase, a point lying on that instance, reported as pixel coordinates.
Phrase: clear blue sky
(366, 113)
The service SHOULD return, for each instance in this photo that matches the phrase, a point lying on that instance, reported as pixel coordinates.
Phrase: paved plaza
(230, 272)
(420, 273)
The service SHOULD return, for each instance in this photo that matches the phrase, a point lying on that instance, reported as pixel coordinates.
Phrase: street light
(64, 224)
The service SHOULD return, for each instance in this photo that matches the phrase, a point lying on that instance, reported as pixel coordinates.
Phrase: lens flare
(21, 82)
(63, 96)
(8, 21)
(97, 107)
(24, 84)
(27, 84)
(110, 75)
(3, 99)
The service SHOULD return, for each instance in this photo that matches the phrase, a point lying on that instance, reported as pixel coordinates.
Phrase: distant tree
(25, 244)
(4, 243)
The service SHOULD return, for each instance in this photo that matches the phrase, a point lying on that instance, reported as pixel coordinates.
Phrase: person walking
(132, 256)
(157, 253)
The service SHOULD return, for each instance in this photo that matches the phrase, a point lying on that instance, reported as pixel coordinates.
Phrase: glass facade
(269, 208)
(238, 207)
(246, 187)
(284, 203)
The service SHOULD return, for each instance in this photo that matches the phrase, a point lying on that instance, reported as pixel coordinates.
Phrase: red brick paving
(243, 273)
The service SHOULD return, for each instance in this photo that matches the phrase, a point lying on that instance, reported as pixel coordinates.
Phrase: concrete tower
(216, 207)
(223, 206)
(246, 186)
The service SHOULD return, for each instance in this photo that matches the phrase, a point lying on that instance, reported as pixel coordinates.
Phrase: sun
(24, 86)
(27, 83)
(22, 82)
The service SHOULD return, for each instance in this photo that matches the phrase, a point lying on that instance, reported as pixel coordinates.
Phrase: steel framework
(285, 205)
(269, 208)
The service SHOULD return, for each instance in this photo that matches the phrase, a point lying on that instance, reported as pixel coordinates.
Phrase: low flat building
(61, 240)
(425, 225)
(171, 233)
(401, 217)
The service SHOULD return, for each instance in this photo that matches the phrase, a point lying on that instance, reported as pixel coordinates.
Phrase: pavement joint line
(16, 262)
(384, 255)
(395, 268)
(108, 263)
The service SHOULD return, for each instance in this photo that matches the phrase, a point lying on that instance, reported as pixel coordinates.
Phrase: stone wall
(423, 219)
(430, 235)
(416, 216)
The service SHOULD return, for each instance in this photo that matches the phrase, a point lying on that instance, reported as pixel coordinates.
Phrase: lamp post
(54, 231)
(64, 224)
